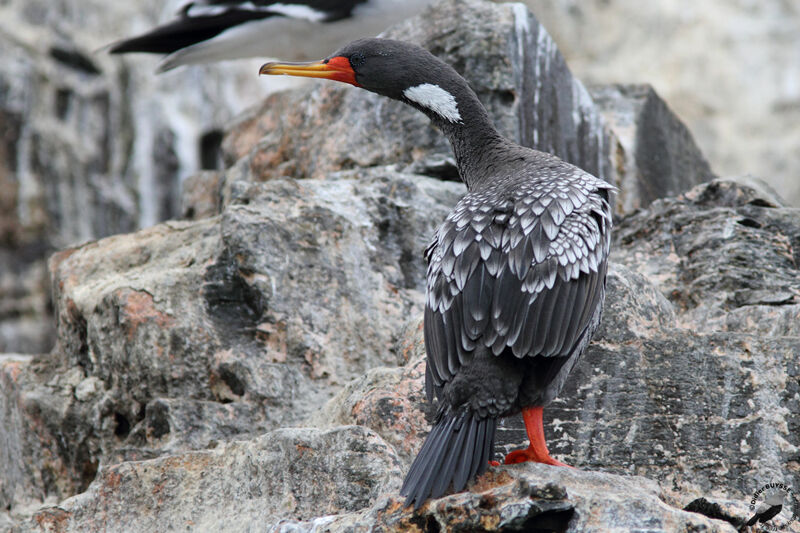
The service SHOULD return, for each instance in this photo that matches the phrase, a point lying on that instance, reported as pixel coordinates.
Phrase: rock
(200, 197)
(656, 156)
(390, 401)
(731, 512)
(320, 479)
(631, 138)
(760, 187)
(530, 497)
(174, 425)
(724, 254)
(26, 322)
(46, 450)
(98, 145)
(10, 442)
(99, 128)
(729, 71)
(90, 145)
(238, 486)
(519, 498)
(64, 114)
(192, 333)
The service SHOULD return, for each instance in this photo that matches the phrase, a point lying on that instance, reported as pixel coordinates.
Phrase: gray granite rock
(530, 497)
(630, 137)
(724, 254)
(90, 145)
(94, 146)
(728, 69)
(238, 486)
(193, 333)
(654, 154)
(346, 479)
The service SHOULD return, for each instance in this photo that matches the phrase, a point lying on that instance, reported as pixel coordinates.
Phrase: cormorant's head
(399, 70)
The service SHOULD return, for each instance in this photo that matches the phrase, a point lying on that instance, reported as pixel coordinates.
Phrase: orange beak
(336, 68)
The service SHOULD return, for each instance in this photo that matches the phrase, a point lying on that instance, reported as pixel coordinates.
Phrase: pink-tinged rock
(238, 486)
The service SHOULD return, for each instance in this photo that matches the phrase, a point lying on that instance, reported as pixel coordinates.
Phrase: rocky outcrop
(191, 333)
(82, 135)
(508, 58)
(90, 145)
(653, 154)
(243, 486)
(729, 70)
(259, 365)
(328, 474)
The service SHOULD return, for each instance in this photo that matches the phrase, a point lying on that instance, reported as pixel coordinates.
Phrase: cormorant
(205, 31)
(516, 272)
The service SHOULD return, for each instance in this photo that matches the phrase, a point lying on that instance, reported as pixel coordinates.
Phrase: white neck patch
(436, 99)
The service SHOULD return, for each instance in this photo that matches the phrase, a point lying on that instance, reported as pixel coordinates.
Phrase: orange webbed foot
(537, 451)
(529, 454)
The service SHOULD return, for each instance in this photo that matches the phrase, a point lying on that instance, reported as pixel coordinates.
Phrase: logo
(774, 507)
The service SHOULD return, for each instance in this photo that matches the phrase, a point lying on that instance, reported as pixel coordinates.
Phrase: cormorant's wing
(524, 272)
(200, 21)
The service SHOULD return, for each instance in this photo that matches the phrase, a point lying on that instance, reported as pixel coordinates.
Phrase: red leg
(537, 451)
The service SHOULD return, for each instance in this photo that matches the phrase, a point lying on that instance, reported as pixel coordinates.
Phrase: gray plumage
(517, 267)
(515, 285)
(516, 272)
(515, 289)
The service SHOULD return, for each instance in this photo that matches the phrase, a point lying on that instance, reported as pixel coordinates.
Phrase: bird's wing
(190, 28)
(203, 20)
(524, 272)
(315, 10)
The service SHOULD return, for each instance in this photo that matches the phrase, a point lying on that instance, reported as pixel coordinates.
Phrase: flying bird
(516, 272)
(216, 30)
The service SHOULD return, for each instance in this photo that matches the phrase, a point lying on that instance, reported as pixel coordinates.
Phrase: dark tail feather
(457, 449)
(184, 32)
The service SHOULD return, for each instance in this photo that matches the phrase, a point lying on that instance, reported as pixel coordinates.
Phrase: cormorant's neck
(476, 143)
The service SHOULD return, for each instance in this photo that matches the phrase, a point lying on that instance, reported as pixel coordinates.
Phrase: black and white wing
(205, 31)
(522, 272)
(203, 20)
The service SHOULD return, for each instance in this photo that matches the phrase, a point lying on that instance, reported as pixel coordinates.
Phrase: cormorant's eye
(357, 59)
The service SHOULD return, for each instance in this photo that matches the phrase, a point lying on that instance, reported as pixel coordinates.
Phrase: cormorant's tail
(457, 449)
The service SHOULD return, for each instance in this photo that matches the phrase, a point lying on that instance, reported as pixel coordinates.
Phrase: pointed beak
(335, 68)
